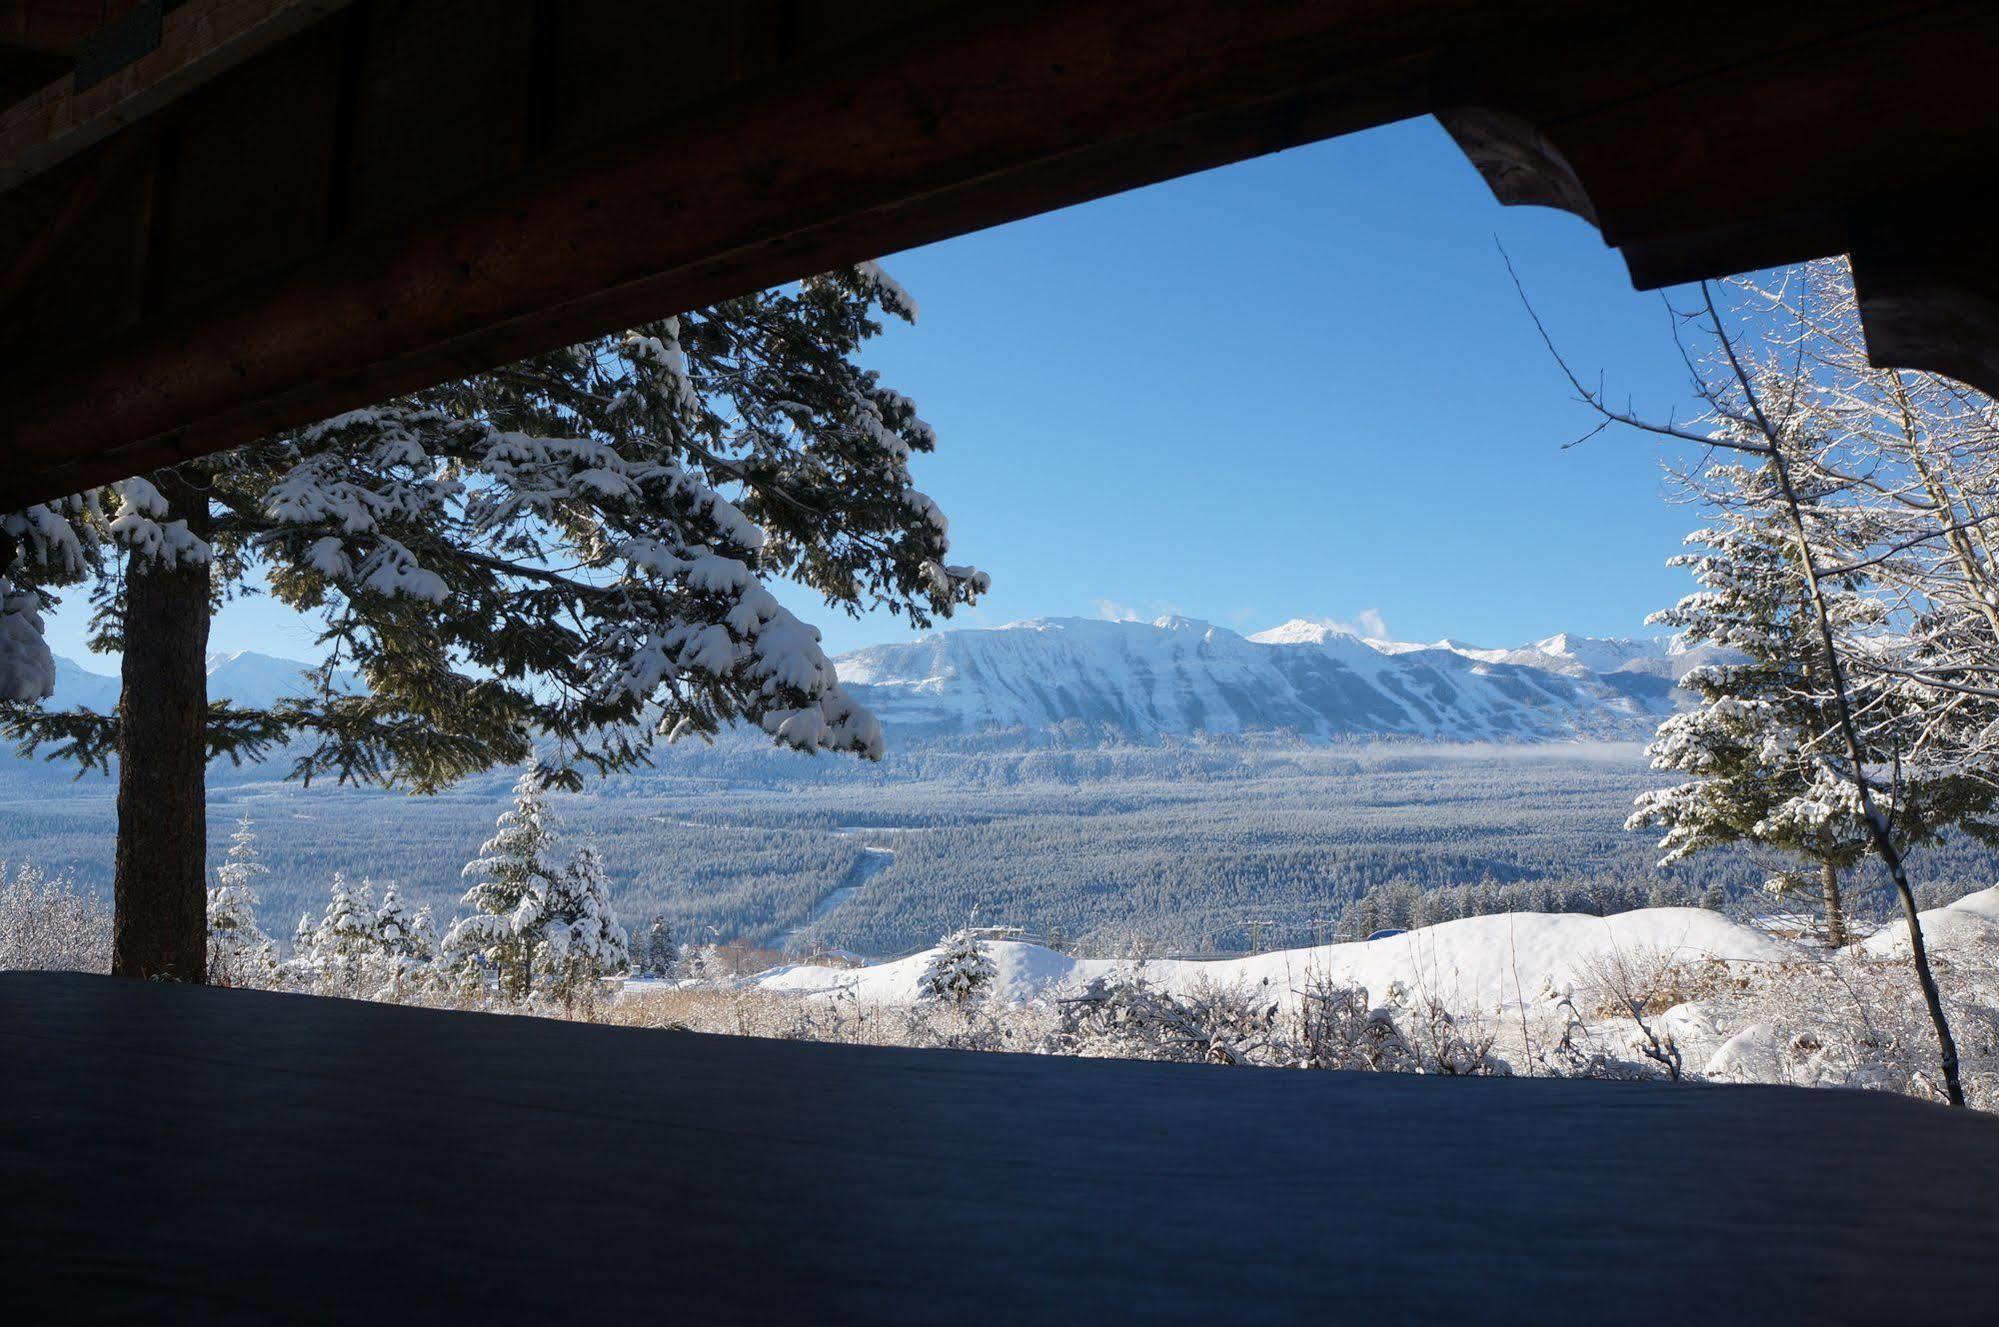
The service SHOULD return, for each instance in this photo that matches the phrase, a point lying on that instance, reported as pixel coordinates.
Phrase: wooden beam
(374, 206)
(941, 130)
(199, 40)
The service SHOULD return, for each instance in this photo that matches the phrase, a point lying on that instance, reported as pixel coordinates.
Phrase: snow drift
(1472, 964)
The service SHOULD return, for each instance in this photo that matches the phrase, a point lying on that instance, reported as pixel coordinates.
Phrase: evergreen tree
(402, 934)
(239, 953)
(547, 927)
(655, 953)
(572, 550)
(335, 954)
(580, 939)
(514, 871)
(960, 972)
(1763, 745)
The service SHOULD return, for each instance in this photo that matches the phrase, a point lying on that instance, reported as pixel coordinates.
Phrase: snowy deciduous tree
(239, 953)
(960, 972)
(574, 550)
(47, 922)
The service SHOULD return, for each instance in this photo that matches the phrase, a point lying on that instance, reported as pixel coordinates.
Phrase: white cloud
(1112, 611)
(1367, 624)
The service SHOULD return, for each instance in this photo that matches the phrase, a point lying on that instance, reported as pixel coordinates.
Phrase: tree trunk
(1835, 916)
(160, 925)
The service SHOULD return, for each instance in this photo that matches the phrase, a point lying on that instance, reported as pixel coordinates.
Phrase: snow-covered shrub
(1127, 1017)
(1855, 1019)
(1445, 1044)
(1338, 1027)
(961, 971)
(46, 922)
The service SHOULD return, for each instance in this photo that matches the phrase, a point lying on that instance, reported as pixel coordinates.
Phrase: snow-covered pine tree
(335, 955)
(1763, 746)
(404, 947)
(403, 934)
(239, 953)
(654, 953)
(547, 928)
(581, 941)
(515, 871)
(573, 550)
(961, 972)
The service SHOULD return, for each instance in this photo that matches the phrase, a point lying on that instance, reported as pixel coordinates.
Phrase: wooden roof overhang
(223, 217)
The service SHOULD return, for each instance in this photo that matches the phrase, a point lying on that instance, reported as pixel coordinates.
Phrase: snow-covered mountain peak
(1304, 631)
(1599, 654)
(244, 677)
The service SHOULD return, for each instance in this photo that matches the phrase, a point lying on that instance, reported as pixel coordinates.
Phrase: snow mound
(1474, 963)
(1753, 1055)
(1985, 903)
(1969, 923)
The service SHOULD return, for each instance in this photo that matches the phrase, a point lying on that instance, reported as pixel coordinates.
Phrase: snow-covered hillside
(1472, 964)
(1181, 676)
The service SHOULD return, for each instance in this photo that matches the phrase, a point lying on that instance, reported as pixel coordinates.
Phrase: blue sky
(1297, 386)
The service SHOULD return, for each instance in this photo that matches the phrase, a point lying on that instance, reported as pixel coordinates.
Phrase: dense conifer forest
(1211, 846)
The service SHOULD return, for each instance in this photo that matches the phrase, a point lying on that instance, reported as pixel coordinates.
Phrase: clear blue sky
(1297, 386)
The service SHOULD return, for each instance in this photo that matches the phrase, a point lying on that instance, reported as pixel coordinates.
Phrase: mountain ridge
(1181, 676)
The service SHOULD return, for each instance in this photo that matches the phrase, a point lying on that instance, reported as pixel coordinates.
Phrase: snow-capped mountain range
(1179, 677)
(250, 679)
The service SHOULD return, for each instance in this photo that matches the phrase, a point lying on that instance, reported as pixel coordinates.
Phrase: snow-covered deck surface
(178, 1154)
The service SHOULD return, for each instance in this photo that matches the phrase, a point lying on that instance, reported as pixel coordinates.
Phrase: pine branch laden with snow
(49, 544)
(576, 549)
